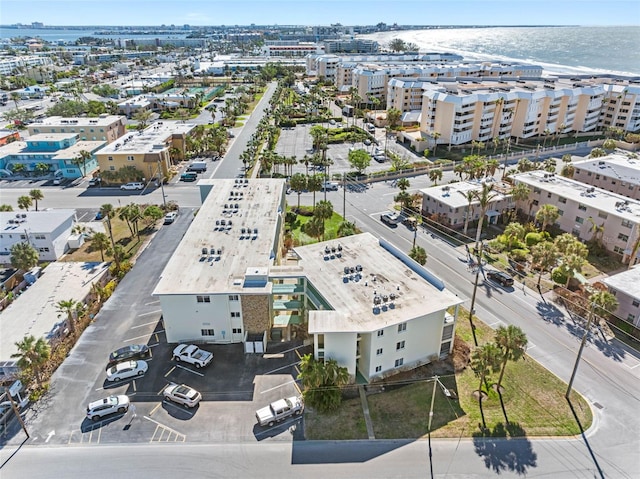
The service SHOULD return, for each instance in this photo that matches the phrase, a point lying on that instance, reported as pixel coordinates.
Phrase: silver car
(182, 394)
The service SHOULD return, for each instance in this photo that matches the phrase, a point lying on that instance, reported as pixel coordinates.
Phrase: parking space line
(283, 367)
(177, 406)
(163, 428)
(143, 325)
(190, 370)
(152, 302)
(292, 349)
(277, 387)
(153, 411)
(136, 338)
(170, 371)
(152, 312)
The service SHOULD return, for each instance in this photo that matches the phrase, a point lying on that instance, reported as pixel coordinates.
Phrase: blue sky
(312, 12)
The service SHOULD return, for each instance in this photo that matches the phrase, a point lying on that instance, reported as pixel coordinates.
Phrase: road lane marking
(137, 337)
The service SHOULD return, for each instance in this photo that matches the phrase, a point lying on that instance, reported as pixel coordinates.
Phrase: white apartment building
(8, 65)
(385, 313)
(581, 206)
(618, 172)
(364, 303)
(625, 287)
(102, 128)
(286, 49)
(326, 65)
(449, 204)
(47, 231)
(622, 105)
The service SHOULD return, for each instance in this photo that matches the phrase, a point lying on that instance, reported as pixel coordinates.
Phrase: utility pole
(16, 411)
(161, 180)
(344, 196)
(582, 343)
(473, 296)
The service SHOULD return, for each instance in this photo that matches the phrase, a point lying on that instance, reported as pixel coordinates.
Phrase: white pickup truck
(192, 354)
(279, 410)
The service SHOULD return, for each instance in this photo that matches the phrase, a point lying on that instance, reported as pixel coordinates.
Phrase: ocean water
(71, 35)
(573, 50)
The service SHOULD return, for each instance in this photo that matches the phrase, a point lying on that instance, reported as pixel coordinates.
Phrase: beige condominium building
(452, 203)
(101, 128)
(465, 109)
(626, 288)
(372, 80)
(149, 150)
(357, 299)
(584, 208)
(618, 172)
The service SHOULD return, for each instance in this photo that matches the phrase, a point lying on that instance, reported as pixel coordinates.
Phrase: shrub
(496, 245)
(518, 254)
(559, 276)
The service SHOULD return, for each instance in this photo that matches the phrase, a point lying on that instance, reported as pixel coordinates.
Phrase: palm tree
(32, 355)
(604, 302)
(571, 264)
(108, 213)
(435, 135)
(484, 360)
(520, 192)
(298, 184)
(547, 214)
(346, 228)
(484, 197)
(435, 175)
(36, 195)
(418, 254)
(25, 202)
(100, 241)
(513, 343)
(324, 211)
(81, 160)
(70, 307)
(469, 196)
(514, 232)
(544, 256)
(314, 227)
(314, 184)
(403, 184)
(15, 97)
(24, 256)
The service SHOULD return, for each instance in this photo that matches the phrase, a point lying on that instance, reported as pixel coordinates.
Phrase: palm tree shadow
(505, 449)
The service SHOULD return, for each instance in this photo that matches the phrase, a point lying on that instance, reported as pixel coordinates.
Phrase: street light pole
(582, 343)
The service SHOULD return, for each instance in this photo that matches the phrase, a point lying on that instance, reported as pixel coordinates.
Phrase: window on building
(203, 299)
(399, 345)
(535, 202)
(631, 317)
(579, 220)
(562, 200)
(445, 347)
(623, 237)
(130, 158)
(603, 215)
(23, 237)
(110, 158)
(39, 237)
(112, 168)
(43, 250)
(378, 369)
(379, 351)
(447, 332)
(207, 332)
(233, 297)
(627, 224)
(560, 212)
(235, 314)
(381, 332)
(402, 327)
(636, 303)
(582, 207)
(618, 249)
(237, 330)
(399, 362)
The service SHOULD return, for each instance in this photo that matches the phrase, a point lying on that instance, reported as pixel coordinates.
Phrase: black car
(134, 351)
(499, 277)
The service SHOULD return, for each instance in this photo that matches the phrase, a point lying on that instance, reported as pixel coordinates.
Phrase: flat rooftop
(153, 138)
(599, 199)
(455, 194)
(103, 120)
(627, 282)
(620, 165)
(215, 255)
(44, 221)
(383, 273)
(35, 312)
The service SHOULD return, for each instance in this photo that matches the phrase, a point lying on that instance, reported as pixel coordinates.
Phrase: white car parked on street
(132, 186)
(126, 370)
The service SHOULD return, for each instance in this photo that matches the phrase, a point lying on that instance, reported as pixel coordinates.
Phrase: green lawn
(300, 238)
(533, 401)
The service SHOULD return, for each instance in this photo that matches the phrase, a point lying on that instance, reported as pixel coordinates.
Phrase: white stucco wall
(342, 348)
